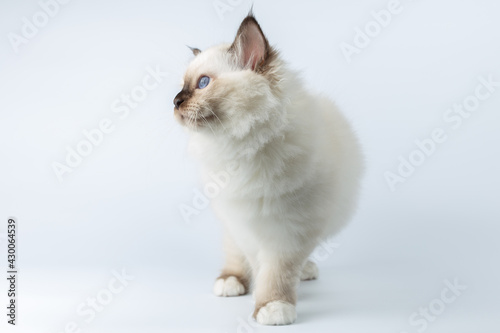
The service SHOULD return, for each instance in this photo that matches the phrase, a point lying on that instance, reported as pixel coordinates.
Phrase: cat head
(230, 87)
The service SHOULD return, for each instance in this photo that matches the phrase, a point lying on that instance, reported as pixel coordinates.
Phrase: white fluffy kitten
(289, 162)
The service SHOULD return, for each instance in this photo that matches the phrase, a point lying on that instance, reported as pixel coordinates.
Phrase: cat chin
(198, 123)
(206, 130)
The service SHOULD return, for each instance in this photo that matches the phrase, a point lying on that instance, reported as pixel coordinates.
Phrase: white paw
(229, 286)
(276, 313)
(309, 272)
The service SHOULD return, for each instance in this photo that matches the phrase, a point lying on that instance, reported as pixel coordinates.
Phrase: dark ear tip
(250, 12)
(250, 18)
(194, 50)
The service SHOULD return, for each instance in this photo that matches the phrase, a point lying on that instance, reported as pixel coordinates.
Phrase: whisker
(216, 116)
(206, 122)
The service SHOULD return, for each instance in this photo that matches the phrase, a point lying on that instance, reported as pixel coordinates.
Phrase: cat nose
(178, 101)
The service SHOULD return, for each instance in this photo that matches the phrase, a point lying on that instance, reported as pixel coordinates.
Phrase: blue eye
(204, 81)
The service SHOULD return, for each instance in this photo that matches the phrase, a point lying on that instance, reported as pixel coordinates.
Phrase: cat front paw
(227, 286)
(276, 313)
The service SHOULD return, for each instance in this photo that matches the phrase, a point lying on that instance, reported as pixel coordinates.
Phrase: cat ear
(250, 45)
(194, 50)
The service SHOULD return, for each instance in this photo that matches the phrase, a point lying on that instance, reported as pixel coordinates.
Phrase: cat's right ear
(194, 50)
(250, 45)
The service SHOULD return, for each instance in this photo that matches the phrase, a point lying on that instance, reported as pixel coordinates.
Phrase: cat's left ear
(194, 50)
(250, 45)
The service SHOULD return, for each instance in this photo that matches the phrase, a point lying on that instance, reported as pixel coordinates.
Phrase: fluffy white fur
(289, 162)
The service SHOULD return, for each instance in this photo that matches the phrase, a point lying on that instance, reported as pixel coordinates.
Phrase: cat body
(288, 160)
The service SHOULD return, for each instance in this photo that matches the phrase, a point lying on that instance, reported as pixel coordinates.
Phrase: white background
(119, 209)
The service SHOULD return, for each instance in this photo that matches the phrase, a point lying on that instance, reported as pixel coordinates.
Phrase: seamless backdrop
(95, 170)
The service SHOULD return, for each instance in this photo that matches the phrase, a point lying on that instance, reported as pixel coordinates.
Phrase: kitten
(288, 160)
